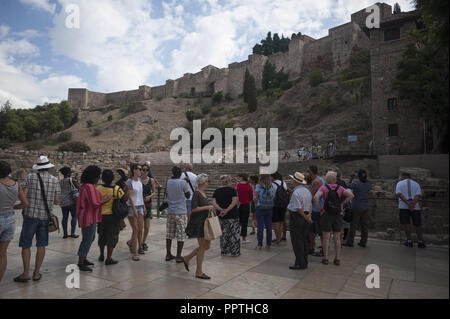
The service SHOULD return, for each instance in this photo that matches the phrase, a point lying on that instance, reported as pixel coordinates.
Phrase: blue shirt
(314, 208)
(361, 192)
(260, 191)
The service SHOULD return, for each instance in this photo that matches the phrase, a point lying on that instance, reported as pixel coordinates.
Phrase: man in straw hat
(299, 220)
(35, 217)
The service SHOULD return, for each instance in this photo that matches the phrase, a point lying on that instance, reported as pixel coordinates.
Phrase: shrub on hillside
(190, 115)
(97, 131)
(64, 137)
(217, 97)
(206, 109)
(286, 85)
(150, 137)
(228, 97)
(276, 93)
(76, 147)
(89, 123)
(4, 144)
(315, 78)
(33, 146)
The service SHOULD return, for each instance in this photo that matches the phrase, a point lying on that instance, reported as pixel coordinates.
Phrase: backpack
(266, 199)
(119, 207)
(333, 202)
(281, 196)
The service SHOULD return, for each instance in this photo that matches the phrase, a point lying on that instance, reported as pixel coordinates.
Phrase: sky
(119, 45)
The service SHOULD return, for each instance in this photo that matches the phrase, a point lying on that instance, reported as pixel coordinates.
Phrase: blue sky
(121, 44)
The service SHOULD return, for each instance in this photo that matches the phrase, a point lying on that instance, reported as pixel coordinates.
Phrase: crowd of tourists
(101, 201)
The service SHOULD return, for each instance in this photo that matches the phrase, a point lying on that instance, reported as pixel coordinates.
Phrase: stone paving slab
(404, 272)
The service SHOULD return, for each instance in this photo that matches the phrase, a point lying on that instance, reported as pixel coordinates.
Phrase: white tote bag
(212, 228)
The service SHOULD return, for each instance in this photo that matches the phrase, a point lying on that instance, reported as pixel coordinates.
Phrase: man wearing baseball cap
(299, 220)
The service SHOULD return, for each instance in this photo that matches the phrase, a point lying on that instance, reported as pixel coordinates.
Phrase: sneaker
(421, 244)
(408, 244)
(101, 258)
(362, 245)
(245, 241)
(84, 268)
(347, 245)
(87, 263)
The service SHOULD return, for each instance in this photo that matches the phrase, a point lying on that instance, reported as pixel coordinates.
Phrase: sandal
(21, 279)
(315, 254)
(325, 261)
(74, 236)
(38, 278)
(179, 261)
(141, 251)
(186, 265)
(145, 247)
(203, 276)
(169, 258)
(337, 262)
(135, 258)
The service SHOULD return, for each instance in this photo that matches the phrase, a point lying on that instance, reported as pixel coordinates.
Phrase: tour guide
(299, 220)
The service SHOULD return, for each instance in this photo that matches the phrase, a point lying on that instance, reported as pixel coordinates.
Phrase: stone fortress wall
(305, 53)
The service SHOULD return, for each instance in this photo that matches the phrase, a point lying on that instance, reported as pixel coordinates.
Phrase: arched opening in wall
(211, 88)
(192, 93)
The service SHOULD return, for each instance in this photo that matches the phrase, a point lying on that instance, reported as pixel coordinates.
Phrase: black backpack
(281, 196)
(119, 207)
(333, 202)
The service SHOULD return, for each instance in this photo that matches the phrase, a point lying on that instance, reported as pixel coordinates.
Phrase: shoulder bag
(53, 222)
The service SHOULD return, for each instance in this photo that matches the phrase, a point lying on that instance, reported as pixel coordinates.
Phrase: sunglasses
(145, 169)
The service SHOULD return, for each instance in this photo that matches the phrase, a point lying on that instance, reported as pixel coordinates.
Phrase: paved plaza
(405, 272)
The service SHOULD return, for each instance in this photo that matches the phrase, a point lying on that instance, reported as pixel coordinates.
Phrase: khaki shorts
(176, 227)
(331, 223)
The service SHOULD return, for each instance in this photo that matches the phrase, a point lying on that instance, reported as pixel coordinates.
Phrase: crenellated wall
(305, 54)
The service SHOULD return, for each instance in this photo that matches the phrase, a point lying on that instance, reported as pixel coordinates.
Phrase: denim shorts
(140, 210)
(7, 226)
(31, 227)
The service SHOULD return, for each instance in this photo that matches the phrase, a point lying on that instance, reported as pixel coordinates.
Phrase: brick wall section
(385, 56)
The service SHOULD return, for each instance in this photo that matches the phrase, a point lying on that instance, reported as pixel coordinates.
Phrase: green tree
(284, 44)
(31, 125)
(15, 130)
(65, 113)
(249, 92)
(276, 43)
(268, 76)
(267, 45)
(423, 72)
(257, 49)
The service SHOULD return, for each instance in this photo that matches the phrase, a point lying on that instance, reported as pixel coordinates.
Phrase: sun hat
(299, 178)
(42, 163)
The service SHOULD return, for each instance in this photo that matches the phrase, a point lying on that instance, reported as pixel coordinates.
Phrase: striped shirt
(89, 206)
(36, 208)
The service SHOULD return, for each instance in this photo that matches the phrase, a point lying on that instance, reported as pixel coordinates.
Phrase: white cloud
(19, 82)
(4, 30)
(29, 34)
(118, 37)
(41, 5)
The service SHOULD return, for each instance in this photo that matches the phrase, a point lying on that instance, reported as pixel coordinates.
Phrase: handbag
(53, 222)
(165, 204)
(74, 192)
(212, 228)
(348, 215)
(119, 207)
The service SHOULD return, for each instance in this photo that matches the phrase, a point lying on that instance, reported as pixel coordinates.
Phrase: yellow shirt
(106, 191)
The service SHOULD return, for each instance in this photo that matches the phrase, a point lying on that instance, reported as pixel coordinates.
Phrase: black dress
(195, 227)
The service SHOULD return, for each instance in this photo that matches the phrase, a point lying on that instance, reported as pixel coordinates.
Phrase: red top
(89, 206)
(245, 193)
